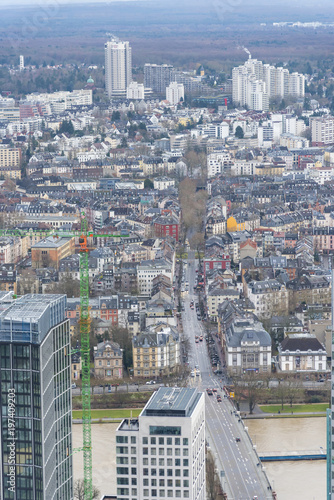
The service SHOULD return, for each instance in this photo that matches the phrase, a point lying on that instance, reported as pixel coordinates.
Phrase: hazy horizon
(275, 4)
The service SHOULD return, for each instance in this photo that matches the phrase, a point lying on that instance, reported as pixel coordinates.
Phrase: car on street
(237, 439)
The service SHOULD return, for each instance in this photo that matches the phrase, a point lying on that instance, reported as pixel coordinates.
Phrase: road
(237, 464)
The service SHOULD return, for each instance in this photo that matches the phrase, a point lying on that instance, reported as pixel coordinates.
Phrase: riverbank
(294, 411)
(107, 415)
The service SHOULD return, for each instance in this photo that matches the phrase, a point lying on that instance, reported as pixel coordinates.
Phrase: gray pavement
(242, 474)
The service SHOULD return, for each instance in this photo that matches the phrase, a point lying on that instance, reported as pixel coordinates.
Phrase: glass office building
(35, 417)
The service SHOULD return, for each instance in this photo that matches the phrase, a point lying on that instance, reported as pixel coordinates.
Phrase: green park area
(109, 413)
(302, 408)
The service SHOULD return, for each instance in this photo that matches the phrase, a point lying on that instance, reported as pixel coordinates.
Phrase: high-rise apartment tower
(118, 67)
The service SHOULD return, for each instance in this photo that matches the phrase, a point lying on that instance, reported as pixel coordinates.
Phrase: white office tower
(135, 91)
(175, 92)
(21, 63)
(161, 454)
(277, 83)
(118, 67)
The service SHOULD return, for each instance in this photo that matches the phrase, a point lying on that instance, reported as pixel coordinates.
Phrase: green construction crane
(84, 334)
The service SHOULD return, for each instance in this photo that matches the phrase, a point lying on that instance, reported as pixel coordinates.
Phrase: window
(145, 440)
(185, 462)
(169, 472)
(161, 441)
(133, 439)
(186, 473)
(185, 452)
(133, 450)
(185, 441)
(145, 461)
(121, 439)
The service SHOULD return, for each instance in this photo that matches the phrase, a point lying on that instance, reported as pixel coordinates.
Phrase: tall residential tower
(118, 67)
(35, 415)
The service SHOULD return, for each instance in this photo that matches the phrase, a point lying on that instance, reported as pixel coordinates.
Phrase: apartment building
(10, 157)
(118, 67)
(108, 360)
(156, 352)
(322, 129)
(254, 83)
(161, 454)
(150, 270)
(158, 76)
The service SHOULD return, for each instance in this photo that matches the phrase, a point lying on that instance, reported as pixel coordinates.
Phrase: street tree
(79, 490)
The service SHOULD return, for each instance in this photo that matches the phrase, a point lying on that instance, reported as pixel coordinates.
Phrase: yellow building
(10, 172)
(233, 225)
(10, 157)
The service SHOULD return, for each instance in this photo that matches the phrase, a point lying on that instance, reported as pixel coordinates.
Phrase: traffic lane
(237, 455)
(224, 441)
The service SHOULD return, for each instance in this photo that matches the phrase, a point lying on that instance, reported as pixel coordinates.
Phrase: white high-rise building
(254, 83)
(175, 92)
(21, 63)
(161, 454)
(118, 67)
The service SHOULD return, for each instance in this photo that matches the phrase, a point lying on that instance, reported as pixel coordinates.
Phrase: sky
(321, 3)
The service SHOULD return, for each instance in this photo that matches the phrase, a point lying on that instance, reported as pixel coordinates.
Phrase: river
(304, 480)
(291, 480)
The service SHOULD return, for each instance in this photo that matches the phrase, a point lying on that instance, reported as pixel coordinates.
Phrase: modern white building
(217, 162)
(175, 92)
(161, 454)
(146, 273)
(21, 63)
(118, 67)
(135, 91)
(254, 83)
(322, 129)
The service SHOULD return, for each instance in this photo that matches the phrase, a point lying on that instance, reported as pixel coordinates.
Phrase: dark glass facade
(35, 418)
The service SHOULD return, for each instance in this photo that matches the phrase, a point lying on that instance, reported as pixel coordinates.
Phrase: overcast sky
(321, 4)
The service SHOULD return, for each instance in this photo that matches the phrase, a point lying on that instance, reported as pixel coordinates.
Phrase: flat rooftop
(51, 242)
(172, 401)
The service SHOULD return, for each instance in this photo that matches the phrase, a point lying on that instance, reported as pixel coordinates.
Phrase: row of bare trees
(255, 388)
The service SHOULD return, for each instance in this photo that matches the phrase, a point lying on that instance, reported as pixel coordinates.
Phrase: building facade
(118, 67)
(35, 418)
(161, 454)
(108, 360)
(156, 352)
(158, 77)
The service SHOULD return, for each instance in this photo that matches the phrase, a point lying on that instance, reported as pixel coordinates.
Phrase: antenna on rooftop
(113, 37)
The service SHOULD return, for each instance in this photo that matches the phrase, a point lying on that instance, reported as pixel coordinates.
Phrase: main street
(242, 476)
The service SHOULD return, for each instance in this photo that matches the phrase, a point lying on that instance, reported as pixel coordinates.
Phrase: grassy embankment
(110, 413)
(301, 408)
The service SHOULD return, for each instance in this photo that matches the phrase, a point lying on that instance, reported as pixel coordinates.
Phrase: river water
(304, 480)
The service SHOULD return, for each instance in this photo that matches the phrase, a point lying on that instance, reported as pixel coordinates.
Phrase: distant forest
(184, 33)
